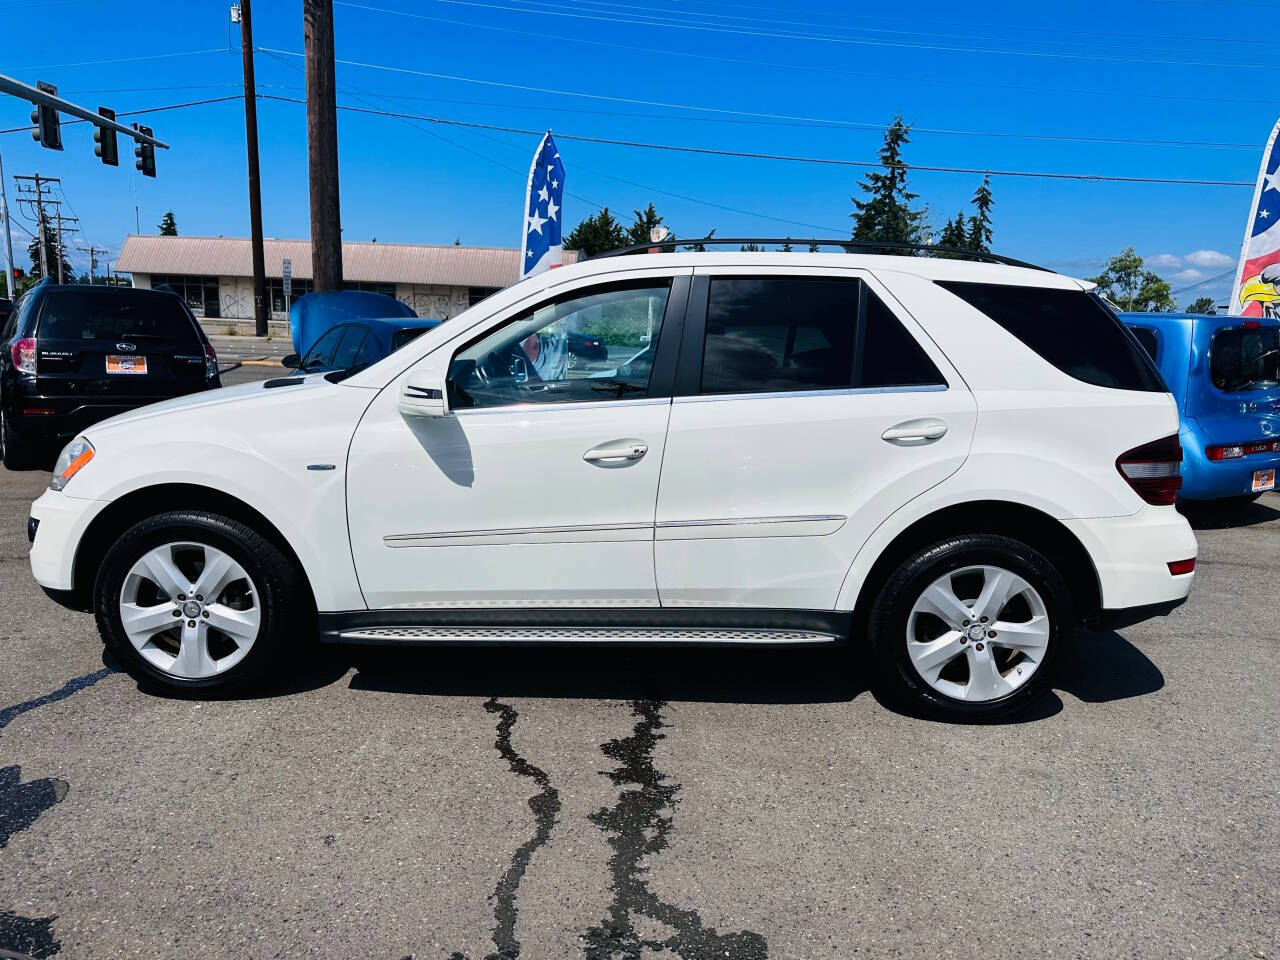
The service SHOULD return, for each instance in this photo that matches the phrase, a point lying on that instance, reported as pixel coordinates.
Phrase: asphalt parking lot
(597, 804)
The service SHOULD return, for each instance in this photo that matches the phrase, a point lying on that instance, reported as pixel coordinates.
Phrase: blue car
(355, 344)
(1224, 373)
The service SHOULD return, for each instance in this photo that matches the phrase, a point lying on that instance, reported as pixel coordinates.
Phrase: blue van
(1224, 373)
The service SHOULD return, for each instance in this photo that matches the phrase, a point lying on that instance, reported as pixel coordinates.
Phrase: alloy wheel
(191, 610)
(978, 633)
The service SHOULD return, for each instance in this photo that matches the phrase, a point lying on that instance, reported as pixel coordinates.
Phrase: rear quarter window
(1070, 329)
(1149, 340)
(117, 315)
(1245, 358)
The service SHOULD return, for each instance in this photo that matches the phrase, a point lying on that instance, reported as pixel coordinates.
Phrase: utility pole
(62, 255)
(36, 196)
(260, 305)
(93, 260)
(8, 239)
(322, 145)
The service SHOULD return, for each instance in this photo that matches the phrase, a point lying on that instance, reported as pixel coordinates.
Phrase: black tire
(890, 613)
(17, 452)
(285, 613)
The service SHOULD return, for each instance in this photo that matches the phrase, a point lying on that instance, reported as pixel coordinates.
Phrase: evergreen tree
(749, 248)
(786, 246)
(953, 234)
(701, 247)
(885, 214)
(979, 237)
(596, 235)
(168, 227)
(815, 247)
(645, 221)
(51, 254)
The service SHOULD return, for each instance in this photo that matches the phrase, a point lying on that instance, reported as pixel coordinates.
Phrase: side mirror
(420, 397)
(292, 361)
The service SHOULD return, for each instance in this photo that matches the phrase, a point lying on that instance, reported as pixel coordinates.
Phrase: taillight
(1234, 451)
(24, 355)
(1154, 470)
(1182, 567)
(210, 361)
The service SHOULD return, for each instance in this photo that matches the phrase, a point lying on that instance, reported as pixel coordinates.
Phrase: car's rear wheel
(17, 452)
(974, 627)
(198, 603)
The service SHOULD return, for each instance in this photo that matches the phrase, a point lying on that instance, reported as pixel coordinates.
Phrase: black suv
(74, 355)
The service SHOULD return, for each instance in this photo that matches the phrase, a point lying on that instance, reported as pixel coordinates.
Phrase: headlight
(73, 456)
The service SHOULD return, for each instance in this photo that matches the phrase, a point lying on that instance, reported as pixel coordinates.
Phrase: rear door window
(115, 315)
(783, 334)
(1071, 329)
(320, 356)
(349, 346)
(1150, 342)
(1245, 358)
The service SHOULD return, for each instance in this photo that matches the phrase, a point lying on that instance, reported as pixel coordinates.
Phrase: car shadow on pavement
(1224, 516)
(671, 674)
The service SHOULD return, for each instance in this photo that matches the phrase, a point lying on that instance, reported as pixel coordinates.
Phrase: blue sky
(1132, 70)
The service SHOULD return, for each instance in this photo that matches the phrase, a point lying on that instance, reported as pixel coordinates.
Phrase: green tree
(1131, 287)
(979, 235)
(815, 248)
(953, 234)
(645, 221)
(886, 214)
(51, 254)
(1202, 305)
(701, 247)
(596, 234)
(786, 246)
(749, 248)
(168, 227)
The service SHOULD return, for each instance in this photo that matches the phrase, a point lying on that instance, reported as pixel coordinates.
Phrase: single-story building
(215, 274)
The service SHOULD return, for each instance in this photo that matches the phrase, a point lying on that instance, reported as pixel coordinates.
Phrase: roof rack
(848, 246)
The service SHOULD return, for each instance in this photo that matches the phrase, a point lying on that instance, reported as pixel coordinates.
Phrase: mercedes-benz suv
(947, 465)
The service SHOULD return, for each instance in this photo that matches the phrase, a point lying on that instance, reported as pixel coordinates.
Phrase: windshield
(1245, 358)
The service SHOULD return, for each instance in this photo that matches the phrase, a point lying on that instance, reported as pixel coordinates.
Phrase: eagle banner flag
(542, 248)
(1257, 289)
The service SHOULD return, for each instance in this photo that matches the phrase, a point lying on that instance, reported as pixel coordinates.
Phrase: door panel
(526, 504)
(765, 498)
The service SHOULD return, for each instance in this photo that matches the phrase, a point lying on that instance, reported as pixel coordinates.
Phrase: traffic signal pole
(8, 238)
(260, 305)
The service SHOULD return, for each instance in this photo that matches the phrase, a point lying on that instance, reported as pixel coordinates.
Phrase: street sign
(287, 270)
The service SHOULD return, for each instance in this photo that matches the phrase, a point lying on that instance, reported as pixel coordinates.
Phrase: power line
(740, 31)
(776, 117)
(813, 68)
(95, 63)
(145, 110)
(1221, 276)
(822, 161)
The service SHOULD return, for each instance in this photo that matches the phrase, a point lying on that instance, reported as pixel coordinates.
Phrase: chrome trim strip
(394, 538)
(748, 521)
(782, 394)
(566, 405)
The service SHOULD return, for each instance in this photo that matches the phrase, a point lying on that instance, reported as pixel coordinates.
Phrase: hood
(246, 393)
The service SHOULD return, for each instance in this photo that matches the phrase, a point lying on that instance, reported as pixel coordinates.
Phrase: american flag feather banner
(542, 247)
(1256, 292)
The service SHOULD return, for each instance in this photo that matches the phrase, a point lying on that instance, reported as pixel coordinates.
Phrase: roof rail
(848, 246)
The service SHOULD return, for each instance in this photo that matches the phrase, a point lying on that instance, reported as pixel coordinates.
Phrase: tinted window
(527, 360)
(320, 356)
(401, 337)
(1070, 329)
(348, 347)
(1245, 358)
(767, 334)
(1147, 337)
(117, 315)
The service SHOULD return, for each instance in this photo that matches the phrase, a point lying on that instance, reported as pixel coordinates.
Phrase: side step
(611, 636)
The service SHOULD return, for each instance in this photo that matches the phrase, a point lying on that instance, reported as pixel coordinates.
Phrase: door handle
(914, 433)
(616, 452)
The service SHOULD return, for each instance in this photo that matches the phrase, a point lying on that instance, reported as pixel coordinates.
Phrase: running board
(606, 636)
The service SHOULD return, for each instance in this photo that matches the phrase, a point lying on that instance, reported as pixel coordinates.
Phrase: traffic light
(145, 153)
(47, 129)
(105, 138)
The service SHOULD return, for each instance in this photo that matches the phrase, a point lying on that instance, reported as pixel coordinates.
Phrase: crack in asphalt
(636, 827)
(21, 805)
(545, 805)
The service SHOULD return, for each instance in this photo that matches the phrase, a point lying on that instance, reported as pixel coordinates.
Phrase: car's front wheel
(973, 627)
(198, 603)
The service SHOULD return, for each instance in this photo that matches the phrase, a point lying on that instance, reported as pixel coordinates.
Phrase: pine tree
(168, 227)
(815, 247)
(953, 234)
(701, 247)
(786, 246)
(979, 236)
(886, 213)
(596, 235)
(52, 254)
(645, 221)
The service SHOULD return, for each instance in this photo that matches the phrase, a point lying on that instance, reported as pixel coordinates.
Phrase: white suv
(948, 464)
